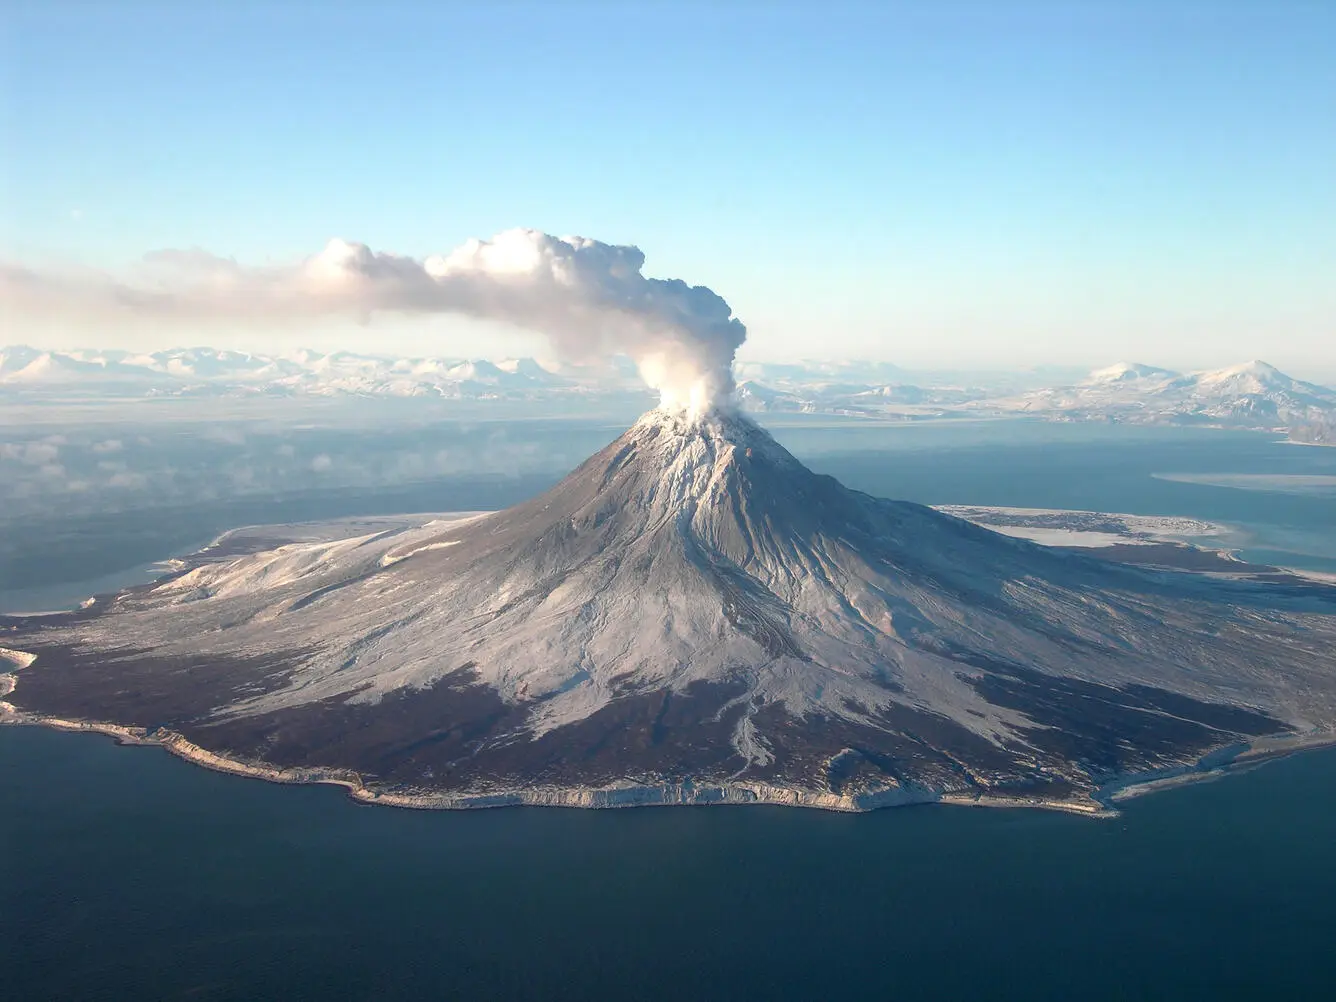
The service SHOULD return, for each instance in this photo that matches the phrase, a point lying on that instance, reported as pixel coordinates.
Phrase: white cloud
(40, 453)
(589, 298)
(129, 481)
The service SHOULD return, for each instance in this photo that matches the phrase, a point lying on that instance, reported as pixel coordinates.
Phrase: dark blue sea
(126, 873)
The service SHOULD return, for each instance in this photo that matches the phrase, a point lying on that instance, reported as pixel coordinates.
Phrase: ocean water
(126, 873)
(1285, 515)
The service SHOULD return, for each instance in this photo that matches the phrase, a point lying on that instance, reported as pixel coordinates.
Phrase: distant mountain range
(186, 372)
(1251, 395)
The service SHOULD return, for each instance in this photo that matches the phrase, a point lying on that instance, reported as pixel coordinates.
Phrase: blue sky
(940, 184)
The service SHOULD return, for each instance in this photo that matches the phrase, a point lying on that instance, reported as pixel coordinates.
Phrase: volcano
(693, 616)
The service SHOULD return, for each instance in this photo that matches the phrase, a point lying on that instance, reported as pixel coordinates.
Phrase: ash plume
(589, 298)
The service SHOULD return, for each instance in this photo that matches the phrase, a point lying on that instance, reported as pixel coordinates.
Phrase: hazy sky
(930, 183)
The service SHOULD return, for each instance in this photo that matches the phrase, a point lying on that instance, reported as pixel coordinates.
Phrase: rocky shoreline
(1100, 804)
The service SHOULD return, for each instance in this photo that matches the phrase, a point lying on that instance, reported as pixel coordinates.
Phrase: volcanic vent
(693, 615)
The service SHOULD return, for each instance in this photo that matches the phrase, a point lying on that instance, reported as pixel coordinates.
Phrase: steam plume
(589, 298)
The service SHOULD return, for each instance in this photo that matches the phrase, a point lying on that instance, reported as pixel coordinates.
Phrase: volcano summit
(692, 616)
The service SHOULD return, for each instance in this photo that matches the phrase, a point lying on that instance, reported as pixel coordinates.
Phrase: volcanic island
(692, 616)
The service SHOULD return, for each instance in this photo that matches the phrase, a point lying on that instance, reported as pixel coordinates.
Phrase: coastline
(1100, 803)
(625, 795)
(1217, 764)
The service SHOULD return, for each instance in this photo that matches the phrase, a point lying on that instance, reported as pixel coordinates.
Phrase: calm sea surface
(126, 873)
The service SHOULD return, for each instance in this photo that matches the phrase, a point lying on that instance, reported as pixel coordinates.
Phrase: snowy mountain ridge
(186, 372)
(1251, 395)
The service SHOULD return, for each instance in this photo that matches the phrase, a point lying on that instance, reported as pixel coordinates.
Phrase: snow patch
(394, 558)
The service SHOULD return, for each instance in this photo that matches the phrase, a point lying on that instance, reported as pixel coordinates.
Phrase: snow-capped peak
(669, 439)
(1125, 372)
(1256, 373)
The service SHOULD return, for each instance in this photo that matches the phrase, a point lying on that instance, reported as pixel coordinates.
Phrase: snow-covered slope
(692, 605)
(1256, 390)
(23, 367)
(16, 358)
